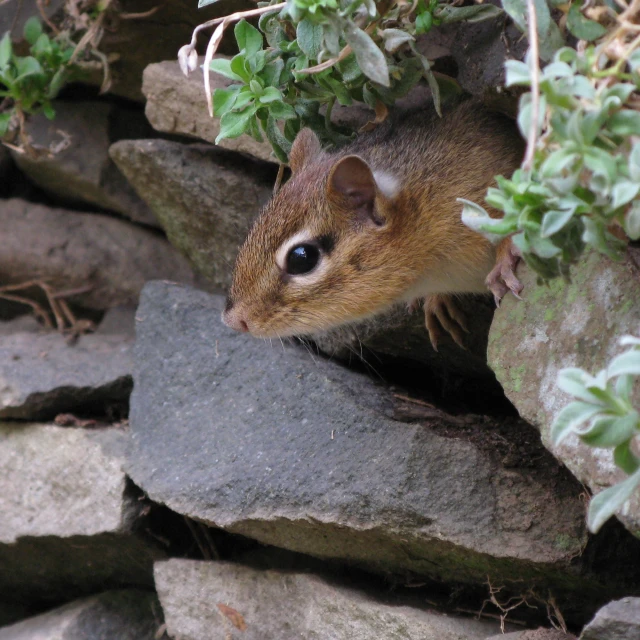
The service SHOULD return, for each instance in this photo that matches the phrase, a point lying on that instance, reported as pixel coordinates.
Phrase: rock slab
(41, 374)
(205, 199)
(619, 620)
(575, 324)
(108, 260)
(80, 172)
(69, 518)
(177, 104)
(125, 615)
(217, 600)
(301, 454)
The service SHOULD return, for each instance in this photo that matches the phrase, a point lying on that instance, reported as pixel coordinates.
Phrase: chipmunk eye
(302, 258)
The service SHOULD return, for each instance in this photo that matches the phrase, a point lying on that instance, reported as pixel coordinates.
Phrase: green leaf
(611, 431)
(625, 123)
(627, 363)
(281, 146)
(474, 13)
(623, 192)
(26, 67)
(570, 418)
(272, 72)
(234, 124)
(57, 82)
(575, 381)
(32, 30)
(281, 111)
(248, 38)
(224, 100)
(634, 162)
(552, 42)
(424, 22)
(342, 94)
(205, 3)
(607, 502)
(349, 69)
(370, 59)
(49, 111)
(5, 51)
(395, 38)
(517, 73)
(270, 94)
(478, 219)
(554, 221)
(239, 67)
(625, 458)
(5, 119)
(632, 221)
(309, 36)
(582, 27)
(223, 67)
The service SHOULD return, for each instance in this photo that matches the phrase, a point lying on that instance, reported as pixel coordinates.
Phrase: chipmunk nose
(233, 319)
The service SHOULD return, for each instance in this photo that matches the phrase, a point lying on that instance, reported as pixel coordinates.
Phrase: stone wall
(163, 476)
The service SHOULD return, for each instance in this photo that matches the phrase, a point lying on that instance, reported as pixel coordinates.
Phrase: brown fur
(374, 265)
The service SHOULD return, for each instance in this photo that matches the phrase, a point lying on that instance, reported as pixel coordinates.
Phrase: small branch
(278, 183)
(534, 67)
(327, 64)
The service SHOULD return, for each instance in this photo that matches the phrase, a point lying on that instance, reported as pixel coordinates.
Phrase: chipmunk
(375, 223)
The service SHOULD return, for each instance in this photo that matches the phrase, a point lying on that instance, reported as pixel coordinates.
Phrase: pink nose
(234, 320)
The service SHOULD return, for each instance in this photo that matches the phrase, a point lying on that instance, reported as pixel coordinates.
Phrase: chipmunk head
(319, 253)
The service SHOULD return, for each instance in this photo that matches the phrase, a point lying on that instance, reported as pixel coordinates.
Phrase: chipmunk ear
(351, 180)
(305, 146)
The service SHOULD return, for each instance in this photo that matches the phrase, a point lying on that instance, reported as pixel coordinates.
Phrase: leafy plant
(584, 176)
(603, 416)
(28, 84)
(319, 52)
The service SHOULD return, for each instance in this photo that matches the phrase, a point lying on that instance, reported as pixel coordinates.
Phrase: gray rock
(125, 615)
(205, 199)
(69, 516)
(206, 600)
(300, 453)
(566, 325)
(618, 620)
(177, 104)
(81, 173)
(402, 334)
(42, 375)
(73, 250)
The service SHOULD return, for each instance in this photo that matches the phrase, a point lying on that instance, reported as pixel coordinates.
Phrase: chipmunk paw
(502, 277)
(441, 314)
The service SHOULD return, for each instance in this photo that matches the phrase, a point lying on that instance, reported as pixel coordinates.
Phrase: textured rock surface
(619, 620)
(134, 43)
(75, 250)
(205, 199)
(566, 325)
(401, 334)
(82, 173)
(177, 104)
(289, 605)
(121, 615)
(68, 514)
(42, 375)
(300, 453)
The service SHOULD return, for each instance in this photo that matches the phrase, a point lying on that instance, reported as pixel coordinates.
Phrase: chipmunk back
(377, 222)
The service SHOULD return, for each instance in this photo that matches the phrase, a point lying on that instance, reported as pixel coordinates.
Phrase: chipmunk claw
(502, 279)
(442, 315)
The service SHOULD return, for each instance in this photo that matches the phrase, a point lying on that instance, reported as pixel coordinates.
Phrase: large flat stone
(41, 374)
(122, 615)
(575, 324)
(194, 596)
(300, 453)
(82, 173)
(71, 250)
(177, 104)
(205, 199)
(619, 620)
(69, 516)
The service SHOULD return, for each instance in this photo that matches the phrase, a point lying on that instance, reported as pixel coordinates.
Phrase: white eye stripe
(387, 183)
(299, 238)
